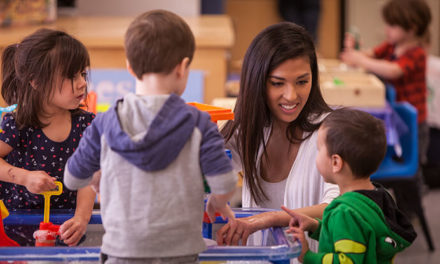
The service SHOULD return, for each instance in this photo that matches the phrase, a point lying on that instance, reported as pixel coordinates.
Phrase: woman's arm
(281, 218)
(241, 228)
(314, 211)
(73, 229)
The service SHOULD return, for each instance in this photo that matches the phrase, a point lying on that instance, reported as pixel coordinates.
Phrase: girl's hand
(72, 230)
(38, 182)
(298, 220)
(299, 234)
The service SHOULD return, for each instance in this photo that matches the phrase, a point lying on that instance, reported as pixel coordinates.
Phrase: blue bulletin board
(112, 84)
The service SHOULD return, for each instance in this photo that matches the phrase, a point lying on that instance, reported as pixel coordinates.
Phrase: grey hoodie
(153, 152)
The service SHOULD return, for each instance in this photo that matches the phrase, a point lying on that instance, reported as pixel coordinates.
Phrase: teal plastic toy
(7, 109)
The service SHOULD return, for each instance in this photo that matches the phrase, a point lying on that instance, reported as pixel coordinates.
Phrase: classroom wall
(366, 16)
(251, 16)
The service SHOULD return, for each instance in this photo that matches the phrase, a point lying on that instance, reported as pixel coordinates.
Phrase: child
(363, 225)
(401, 59)
(45, 75)
(153, 151)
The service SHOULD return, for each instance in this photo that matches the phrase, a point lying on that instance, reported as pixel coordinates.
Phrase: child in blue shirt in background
(45, 75)
(153, 151)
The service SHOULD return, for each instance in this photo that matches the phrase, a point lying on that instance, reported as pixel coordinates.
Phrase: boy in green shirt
(363, 225)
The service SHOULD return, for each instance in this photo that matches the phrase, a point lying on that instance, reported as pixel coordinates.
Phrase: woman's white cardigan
(304, 185)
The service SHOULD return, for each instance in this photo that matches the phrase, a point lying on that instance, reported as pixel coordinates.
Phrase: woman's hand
(37, 181)
(242, 228)
(72, 230)
(234, 231)
(302, 221)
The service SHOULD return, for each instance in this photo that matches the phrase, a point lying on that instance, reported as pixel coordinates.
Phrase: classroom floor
(418, 252)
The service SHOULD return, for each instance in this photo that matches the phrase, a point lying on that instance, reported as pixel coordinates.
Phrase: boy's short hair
(156, 41)
(358, 137)
(408, 14)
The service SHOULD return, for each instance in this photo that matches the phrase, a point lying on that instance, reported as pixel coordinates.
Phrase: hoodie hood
(379, 209)
(149, 131)
(394, 218)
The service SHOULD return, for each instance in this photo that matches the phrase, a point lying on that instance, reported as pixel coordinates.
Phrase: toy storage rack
(280, 251)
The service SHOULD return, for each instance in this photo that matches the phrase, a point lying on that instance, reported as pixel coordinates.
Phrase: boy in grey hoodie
(153, 151)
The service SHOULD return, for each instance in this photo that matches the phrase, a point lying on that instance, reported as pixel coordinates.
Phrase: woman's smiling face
(288, 89)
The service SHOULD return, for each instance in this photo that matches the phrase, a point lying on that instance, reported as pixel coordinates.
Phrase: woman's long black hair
(270, 48)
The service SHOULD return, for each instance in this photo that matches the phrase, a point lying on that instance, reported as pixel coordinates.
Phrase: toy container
(216, 113)
(268, 245)
(46, 235)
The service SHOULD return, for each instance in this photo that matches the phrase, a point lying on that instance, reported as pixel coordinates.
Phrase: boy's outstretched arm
(304, 222)
(85, 161)
(217, 169)
(383, 68)
(219, 203)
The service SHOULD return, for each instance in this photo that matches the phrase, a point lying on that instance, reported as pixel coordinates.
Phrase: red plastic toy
(5, 241)
(46, 235)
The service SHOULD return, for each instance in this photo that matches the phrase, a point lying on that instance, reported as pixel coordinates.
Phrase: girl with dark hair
(273, 137)
(45, 75)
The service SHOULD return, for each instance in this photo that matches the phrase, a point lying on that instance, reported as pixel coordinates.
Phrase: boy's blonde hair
(156, 41)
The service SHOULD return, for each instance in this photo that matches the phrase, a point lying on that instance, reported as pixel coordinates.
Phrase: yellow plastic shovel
(47, 196)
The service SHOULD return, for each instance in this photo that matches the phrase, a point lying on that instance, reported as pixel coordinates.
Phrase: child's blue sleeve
(215, 164)
(85, 160)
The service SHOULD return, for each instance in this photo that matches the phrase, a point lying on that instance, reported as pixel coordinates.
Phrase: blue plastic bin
(274, 244)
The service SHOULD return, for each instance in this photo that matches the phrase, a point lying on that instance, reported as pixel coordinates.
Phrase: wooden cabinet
(104, 39)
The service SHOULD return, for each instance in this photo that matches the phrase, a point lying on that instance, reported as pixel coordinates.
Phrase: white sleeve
(305, 186)
(331, 191)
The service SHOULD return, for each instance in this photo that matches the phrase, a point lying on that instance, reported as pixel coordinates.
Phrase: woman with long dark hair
(273, 137)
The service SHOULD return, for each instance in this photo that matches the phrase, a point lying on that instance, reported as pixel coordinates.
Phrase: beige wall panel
(249, 17)
(135, 7)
